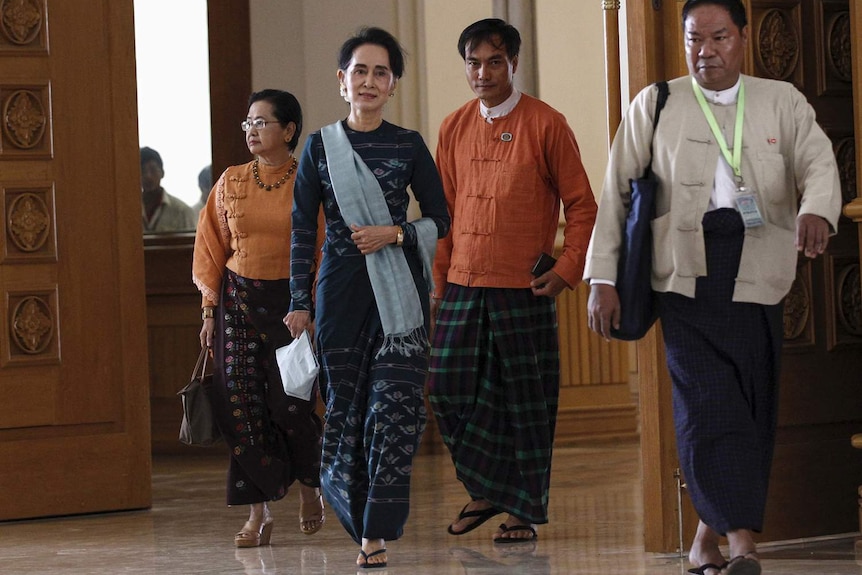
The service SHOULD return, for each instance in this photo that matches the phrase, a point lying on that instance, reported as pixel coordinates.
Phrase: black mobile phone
(543, 264)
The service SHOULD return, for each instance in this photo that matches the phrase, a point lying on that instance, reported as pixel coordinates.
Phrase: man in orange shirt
(508, 162)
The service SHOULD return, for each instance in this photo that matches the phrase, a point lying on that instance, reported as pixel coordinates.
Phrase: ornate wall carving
(777, 44)
(28, 224)
(26, 126)
(32, 327)
(22, 26)
(834, 50)
(845, 155)
(797, 309)
(849, 299)
(844, 325)
(838, 46)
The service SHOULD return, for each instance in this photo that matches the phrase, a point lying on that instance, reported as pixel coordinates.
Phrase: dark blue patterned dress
(375, 406)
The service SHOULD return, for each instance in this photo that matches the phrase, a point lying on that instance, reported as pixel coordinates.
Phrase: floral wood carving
(850, 299)
(29, 222)
(797, 307)
(839, 47)
(777, 45)
(845, 156)
(20, 20)
(32, 325)
(24, 119)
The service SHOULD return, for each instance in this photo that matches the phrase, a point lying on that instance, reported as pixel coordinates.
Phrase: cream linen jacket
(787, 159)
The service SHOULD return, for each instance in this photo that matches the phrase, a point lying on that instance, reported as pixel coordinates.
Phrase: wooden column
(853, 210)
(611, 10)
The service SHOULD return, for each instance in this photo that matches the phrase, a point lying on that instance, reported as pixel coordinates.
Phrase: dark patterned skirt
(375, 406)
(723, 358)
(494, 387)
(274, 439)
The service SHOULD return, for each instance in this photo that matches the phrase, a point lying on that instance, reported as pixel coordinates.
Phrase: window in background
(172, 53)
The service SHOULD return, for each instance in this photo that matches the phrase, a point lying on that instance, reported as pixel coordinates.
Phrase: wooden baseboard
(580, 425)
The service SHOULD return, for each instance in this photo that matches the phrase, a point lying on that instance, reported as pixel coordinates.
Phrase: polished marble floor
(595, 529)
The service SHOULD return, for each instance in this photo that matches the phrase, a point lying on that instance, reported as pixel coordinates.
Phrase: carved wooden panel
(777, 40)
(32, 327)
(845, 155)
(844, 326)
(72, 347)
(26, 130)
(799, 310)
(28, 226)
(23, 27)
(833, 48)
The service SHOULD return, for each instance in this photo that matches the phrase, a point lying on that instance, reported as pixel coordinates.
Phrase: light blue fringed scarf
(361, 202)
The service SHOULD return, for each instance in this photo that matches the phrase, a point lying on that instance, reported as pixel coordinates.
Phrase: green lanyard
(735, 161)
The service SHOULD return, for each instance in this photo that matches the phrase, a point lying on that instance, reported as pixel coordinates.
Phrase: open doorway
(174, 90)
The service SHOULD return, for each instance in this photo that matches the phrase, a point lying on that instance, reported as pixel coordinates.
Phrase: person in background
(746, 180)
(160, 211)
(508, 162)
(241, 266)
(205, 184)
(372, 306)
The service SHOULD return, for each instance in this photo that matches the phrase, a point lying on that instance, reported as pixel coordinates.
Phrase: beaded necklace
(280, 181)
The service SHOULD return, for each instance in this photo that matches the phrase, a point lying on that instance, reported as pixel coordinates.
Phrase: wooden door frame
(853, 210)
(229, 25)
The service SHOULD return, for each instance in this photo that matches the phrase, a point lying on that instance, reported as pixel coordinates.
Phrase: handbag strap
(663, 93)
(201, 365)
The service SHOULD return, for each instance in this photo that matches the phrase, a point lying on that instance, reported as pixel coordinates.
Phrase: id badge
(746, 203)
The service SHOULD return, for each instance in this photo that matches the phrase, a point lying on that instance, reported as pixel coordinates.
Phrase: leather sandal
(254, 535)
(311, 524)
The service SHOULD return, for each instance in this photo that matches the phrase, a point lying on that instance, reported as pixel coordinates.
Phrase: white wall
(295, 48)
(295, 44)
(446, 82)
(571, 75)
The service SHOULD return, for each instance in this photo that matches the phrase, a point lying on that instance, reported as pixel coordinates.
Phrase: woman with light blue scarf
(371, 302)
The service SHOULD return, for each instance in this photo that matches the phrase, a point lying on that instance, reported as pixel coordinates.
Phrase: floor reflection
(596, 516)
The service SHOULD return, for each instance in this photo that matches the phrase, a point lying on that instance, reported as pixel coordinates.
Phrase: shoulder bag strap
(663, 93)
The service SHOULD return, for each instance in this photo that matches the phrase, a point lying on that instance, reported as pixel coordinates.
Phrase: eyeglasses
(257, 124)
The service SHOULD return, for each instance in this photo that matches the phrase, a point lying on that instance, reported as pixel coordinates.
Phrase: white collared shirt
(501, 109)
(724, 187)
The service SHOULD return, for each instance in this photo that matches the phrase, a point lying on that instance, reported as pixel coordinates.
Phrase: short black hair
(735, 8)
(493, 31)
(205, 179)
(150, 155)
(285, 107)
(378, 37)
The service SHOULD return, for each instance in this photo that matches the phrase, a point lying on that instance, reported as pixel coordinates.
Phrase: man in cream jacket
(747, 179)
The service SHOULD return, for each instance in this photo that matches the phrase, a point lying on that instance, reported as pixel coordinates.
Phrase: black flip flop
(366, 556)
(482, 515)
(506, 540)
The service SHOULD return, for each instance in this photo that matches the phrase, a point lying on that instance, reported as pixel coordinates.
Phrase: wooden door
(816, 472)
(74, 419)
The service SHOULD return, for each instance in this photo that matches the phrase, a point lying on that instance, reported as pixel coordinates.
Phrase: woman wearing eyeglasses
(242, 268)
